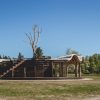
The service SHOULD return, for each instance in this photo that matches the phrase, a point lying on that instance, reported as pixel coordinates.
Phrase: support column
(66, 70)
(34, 71)
(52, 68)
(24, 71)
(43, 70)
(61, 69)
(60, 72)
(12, 73)
(79, 70)
(76, 70)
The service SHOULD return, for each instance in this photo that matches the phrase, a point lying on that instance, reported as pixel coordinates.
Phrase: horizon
(65, 24)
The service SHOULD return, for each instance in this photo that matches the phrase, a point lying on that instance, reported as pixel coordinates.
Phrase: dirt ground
(49, 98)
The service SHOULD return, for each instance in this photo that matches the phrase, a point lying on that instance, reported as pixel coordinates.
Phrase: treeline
(91, 64)
(4, 57)
(20, 56)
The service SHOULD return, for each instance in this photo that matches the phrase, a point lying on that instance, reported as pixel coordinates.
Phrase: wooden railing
(13, 68)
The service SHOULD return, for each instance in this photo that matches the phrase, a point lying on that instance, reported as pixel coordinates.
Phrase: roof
(68, 57)
(2, 60)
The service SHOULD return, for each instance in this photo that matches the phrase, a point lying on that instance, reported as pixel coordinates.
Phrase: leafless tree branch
(33, 39)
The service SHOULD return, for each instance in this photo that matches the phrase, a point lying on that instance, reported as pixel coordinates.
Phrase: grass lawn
(50, 89)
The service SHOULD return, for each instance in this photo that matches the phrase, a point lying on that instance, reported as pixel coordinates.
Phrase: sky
(65, 24)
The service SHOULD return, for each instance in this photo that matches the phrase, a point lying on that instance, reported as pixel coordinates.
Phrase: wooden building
(44, 68)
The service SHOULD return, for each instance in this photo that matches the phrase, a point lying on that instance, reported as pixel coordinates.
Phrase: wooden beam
(61, 69)
(24, 71)
(79, 70)
(34, 71)
(76, 70)
(66, 70)
(12, 72)
(43, 70)
(52, 65)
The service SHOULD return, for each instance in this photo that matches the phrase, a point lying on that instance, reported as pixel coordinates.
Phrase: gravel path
(93, 98)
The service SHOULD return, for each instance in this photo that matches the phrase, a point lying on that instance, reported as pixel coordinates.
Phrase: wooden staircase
(12, 68)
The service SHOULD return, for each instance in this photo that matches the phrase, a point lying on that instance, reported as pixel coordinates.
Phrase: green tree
(5, 57)
(38, 53)
(94, 63)
(91, 64)
(0, 57)
(20, 56)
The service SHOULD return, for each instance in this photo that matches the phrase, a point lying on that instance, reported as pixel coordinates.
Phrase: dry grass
(50, 89)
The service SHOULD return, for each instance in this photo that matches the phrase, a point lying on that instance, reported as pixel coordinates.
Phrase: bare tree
(34, 38)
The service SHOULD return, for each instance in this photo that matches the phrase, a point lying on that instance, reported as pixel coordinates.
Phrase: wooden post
(60, 72)
(76, 70)
(24, 71)
(52, 68)
(58, 69)
(12, 73)
(79, 70)
(66, 70)
(34, 71)
(61, 69)
(43, 70)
